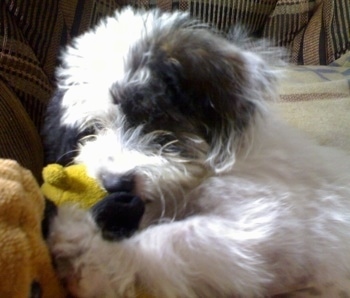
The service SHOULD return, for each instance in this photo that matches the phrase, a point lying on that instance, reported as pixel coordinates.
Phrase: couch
(315, 90)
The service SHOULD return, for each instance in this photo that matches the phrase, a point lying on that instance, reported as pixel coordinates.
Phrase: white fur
(276, 217)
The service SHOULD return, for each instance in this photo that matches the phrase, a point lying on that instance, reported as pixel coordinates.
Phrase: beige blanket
(316, 99)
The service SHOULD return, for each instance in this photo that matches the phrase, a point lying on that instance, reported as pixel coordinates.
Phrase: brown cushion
(29, 47)
(19, 137)
(316, 32)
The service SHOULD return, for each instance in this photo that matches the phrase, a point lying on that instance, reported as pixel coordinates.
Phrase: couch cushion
(19, 138)
(315, 31)
(32, 33)
(316, 99)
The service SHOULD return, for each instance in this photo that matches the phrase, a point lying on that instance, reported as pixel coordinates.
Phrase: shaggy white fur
(245, 208)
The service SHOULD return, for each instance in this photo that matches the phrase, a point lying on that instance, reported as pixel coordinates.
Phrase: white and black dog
(211, 194)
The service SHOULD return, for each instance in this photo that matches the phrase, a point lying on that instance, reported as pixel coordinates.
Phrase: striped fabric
(19, 138)
(315, 31)
(32, 33)
(224, 13)
(220, 13)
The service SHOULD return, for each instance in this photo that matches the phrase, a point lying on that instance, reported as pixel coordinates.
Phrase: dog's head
(170, 102)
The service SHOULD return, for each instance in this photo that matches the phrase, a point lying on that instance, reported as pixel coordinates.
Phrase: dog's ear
(227, 88)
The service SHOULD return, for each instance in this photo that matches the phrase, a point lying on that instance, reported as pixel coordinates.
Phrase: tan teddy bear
(26, 266)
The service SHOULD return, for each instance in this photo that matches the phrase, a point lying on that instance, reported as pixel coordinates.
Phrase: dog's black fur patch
(50, 212)
(60, 141)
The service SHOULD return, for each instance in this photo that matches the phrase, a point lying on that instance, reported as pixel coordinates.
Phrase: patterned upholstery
(315, 31)
(32, 33)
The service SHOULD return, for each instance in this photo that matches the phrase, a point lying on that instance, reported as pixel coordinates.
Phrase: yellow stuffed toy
(71, 184)
(26, 266)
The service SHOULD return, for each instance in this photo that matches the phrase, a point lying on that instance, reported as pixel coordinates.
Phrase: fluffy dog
(175, 122)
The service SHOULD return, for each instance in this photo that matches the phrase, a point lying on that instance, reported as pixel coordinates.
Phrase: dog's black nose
(118, 215)
(118, 183)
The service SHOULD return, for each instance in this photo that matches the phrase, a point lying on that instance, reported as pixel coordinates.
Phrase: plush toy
(26, 266)
(71, 184)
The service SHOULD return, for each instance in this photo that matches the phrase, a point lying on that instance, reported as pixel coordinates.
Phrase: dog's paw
(71, 231)
(118, 215)
(87, 264)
